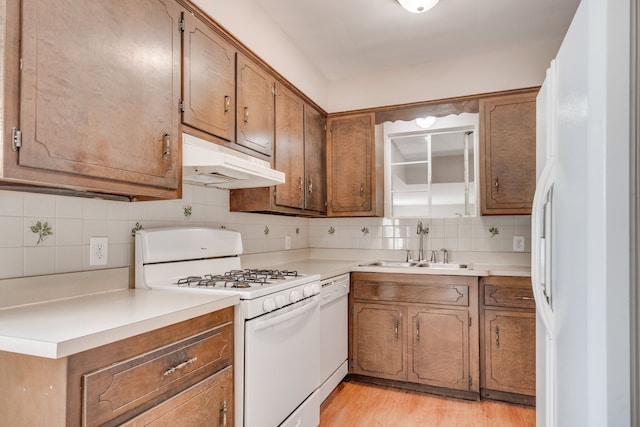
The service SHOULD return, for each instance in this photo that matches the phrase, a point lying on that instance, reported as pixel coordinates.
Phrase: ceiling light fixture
(417, 6)
(425, 122)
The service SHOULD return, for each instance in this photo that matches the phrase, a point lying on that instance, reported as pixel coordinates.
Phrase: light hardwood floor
(355, 404)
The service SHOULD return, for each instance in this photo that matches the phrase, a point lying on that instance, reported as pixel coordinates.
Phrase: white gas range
(277, 340)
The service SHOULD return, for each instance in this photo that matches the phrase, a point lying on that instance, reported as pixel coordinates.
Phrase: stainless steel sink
(446, 266)
(382, 263)
(421, 264)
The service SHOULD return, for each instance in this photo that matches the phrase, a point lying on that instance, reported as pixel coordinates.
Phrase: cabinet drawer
(126, 388)
(426, 293)
(509, 296)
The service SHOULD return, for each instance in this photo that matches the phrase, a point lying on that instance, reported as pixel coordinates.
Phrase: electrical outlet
(98, 250)
(287, 242)
(518, 243)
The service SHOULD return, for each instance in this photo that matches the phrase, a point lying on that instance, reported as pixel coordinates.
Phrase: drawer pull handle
(361, 190)
(397, 324)
(418, 332)
(166, 151)
(310, 186)
(497, 185)
(246, 115)
(179, 366)
(518, 298)
(227, 104)
(497, 337)
(224, 413)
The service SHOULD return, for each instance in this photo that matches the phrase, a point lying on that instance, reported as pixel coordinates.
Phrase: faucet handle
(433, 256)
(409, 256)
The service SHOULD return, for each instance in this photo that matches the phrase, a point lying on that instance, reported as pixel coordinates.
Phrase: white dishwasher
(334, 333)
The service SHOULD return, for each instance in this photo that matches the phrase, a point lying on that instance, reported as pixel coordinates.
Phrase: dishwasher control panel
(333, 288)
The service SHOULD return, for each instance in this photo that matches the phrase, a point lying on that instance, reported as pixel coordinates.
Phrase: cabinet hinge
(469, 321)
(330, 128)
(352, 311)
(181, 25)
(275, 195)
(470, 381)
(180, 106)
(273, 90)
(351, 363)
(16, 139)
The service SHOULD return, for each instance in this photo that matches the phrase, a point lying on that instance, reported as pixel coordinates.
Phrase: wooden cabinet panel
(350, 165)
(209, 80)
(210, 402)
(124, 386)
(508, 153)
(315, 160)
(379, 341)
(508, 339)
(510, 351)
(255, 107)
(100, 86)
(439, 351)
(289, 155)
(418, 343)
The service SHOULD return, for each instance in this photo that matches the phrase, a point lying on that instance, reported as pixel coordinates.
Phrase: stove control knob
(281, 301)
(307, 291)
(269, 305)
(294, 296)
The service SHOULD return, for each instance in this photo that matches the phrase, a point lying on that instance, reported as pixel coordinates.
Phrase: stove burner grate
(239, 279)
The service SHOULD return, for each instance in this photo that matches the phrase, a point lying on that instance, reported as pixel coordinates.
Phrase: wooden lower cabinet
(420, 331)
(508, 347)
(208, 403)
(181, 374)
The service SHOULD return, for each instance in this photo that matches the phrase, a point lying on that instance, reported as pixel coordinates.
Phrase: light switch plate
(518, 243)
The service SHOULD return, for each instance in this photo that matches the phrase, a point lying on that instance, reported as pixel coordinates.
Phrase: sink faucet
(420, 232)
(445, 256)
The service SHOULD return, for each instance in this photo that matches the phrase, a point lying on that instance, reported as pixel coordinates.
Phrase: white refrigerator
(580, 224)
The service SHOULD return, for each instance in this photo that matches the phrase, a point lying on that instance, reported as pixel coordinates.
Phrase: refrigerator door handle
(542, 220)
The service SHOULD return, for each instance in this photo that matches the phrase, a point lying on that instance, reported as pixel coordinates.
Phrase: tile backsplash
(44, 234)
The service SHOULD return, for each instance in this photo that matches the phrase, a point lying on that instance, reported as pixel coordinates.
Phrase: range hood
(209, 164)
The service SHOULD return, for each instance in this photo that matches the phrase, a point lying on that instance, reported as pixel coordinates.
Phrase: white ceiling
(346, 37)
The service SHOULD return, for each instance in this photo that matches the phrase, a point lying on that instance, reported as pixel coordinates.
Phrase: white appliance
(334, 331)
(580, 225)
(277, 324)
(209, 164)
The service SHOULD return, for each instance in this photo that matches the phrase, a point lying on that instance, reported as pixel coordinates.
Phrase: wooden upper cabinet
(350, 165)
(100, 86)
(289, 155)
(209, 80)
(255, 107)
(315, 162)
(508, 153)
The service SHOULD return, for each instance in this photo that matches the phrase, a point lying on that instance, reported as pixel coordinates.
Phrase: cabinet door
(209, 81)
(508, 153)
(290, 148)
(510, 351)
(379, 346)
(439, 351)
(255, 107)
(350, 165)
(210, 402)
(100, 87)
(315, 160)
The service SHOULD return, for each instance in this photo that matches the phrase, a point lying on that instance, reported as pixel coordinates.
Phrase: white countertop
(69, 325)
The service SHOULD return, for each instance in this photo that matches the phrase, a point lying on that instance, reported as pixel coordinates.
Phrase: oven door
(282, 363)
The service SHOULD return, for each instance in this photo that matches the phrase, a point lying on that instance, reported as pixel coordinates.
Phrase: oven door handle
(263, 324)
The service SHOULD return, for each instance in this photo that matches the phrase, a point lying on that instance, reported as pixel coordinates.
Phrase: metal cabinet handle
(166, 152)
(310, 186)
(361, 190)
(299, 183)
(417, 331)
(397, 325)
(519, 298)
(246, 115)
(497, 185)
(227, 103)
(224, 413)
(497, 337)
(179, 366)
